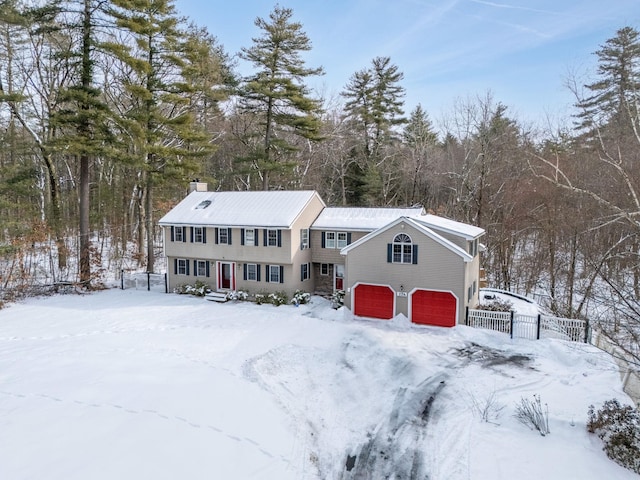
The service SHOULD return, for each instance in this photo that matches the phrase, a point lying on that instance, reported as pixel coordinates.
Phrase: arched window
(402, 249)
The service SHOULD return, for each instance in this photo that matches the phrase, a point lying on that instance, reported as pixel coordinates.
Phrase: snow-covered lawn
(143, 385)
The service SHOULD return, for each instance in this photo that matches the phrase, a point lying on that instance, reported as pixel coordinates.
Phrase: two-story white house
(252, 241)
(388, 261)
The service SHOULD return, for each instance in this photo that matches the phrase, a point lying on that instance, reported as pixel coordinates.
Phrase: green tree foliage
(83, 117)
(374, 100)
(158, 113)
(277, 95)
(616, 94)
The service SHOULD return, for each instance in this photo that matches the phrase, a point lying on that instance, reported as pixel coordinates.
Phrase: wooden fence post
(148, 281)
(122, 279)
(538, 329)
(466, 315)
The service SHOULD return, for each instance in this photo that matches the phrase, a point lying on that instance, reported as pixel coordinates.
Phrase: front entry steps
(220, 297)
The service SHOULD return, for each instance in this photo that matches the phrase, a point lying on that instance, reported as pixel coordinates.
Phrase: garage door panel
(430, 307)
(373, 301)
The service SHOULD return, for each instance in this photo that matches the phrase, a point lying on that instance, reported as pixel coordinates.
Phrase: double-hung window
(250, 237)
(223, 236)
(305, 271)
(330, 240)
(272, 238)
(182, 267)
(252, 271)
(201, 268)
(198, 234)
(274, 273)
(342, 239)
(304, 238)
(178, 234)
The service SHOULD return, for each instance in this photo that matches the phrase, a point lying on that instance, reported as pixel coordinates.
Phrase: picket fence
(533, 327)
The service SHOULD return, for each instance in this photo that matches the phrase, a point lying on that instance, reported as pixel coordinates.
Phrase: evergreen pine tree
(276, 93)
(158, 116)
(615, 96)
(374, 99)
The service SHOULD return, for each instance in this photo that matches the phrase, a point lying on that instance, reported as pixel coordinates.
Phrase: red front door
(226, 280)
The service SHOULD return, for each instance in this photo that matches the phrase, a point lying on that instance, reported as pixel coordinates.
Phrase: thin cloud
(514, 7)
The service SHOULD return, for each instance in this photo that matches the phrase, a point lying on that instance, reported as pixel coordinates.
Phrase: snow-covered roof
(361, 218)
(261, 209)
(418, 226)
(465, 230)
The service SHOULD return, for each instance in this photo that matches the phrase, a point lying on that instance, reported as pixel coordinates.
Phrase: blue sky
(522, 51)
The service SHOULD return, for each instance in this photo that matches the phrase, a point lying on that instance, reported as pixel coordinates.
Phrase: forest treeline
(109, 108)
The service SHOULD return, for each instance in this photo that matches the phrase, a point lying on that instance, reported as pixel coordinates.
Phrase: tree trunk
(85, 132)
(85, 243)
(149, 219)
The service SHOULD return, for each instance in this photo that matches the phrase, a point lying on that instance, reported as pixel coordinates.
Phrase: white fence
(629, 371)
(530, 326)
(156, 282)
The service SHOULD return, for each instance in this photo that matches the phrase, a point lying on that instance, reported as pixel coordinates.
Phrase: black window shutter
(175, 266)
(323, 239)
(256, 237)
(184, 234)
(265, 237)
(267, 274)
(242, 237)
(208, 272)
(244, 271)
(216, 234)
(229, 236)
(195, 268)
(172, 232)
(281, 274)
(191, 229)
(258, 266)
(302, 272)
(187, 266)
(389, 252)
(348, 238)
(204, 234)
(414, 258)
(279, 237)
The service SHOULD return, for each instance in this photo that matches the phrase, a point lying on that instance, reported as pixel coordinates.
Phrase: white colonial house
(387, 261)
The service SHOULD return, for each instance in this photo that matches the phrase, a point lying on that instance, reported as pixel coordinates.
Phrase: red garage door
(373, 301)
(433, 308)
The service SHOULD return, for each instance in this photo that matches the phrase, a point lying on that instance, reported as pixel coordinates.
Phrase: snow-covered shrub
(260, 298)
(337, 299)
(496, 305)
(300, 298)
(278, 298)
(619, 428)
(531, 414)
(199, 289)
(238, 295)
